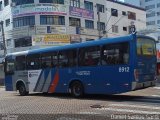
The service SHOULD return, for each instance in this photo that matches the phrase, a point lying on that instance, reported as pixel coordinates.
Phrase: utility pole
(99, 30)
(3, 37)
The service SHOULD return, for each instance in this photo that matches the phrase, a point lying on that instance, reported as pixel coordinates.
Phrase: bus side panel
(105, 79)
(8, 83)
(49, 73)
(20, 76)
(64, 75)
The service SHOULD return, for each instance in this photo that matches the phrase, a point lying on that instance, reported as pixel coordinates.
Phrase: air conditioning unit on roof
(13, 4)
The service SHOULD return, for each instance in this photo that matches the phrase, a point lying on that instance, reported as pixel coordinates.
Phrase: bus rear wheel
(22, 90)
(77, 89)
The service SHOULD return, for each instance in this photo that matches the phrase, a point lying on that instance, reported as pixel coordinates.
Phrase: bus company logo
(32, 74)
(85, 73)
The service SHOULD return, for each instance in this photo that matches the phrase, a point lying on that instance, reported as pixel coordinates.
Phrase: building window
(8, 42)
(158, 13)
(6, 2)
(147, 0)
(52, 1)
(21, 2)
(131, 15)
(152, 14)
(0, 5)
(23, 42)
(89, 24)
(151, 23)
(7, 22)
(158, 21)
(150, 7)
(1, 45)
(74, 22)
(100, 8)
(124, 28)
(88, 5)
(114, 12)
(52, 20)
(158, 5)
(100, 25)
(23, 21)
(75, 3)
(115, 28)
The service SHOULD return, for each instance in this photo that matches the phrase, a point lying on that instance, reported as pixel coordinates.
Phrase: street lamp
(3, 37)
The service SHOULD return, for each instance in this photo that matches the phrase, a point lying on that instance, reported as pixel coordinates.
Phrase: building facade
(152, 8)
(134, 2)
(33, 24)
(123, 16)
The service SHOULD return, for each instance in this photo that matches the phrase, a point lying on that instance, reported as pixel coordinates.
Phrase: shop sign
(33, 9)
(80, 12)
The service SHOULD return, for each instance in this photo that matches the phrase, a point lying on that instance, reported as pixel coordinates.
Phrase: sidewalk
(158, 79)
(2, 86)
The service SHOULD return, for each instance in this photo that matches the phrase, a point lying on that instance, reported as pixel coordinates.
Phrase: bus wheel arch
(20, 86)
(76, 88)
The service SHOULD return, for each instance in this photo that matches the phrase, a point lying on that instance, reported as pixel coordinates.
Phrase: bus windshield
(145, 47)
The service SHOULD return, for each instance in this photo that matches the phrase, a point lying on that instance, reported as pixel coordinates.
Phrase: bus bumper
(137, 85)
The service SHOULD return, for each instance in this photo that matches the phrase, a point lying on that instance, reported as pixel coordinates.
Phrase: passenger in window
(109, 60)
(44, 65)
(104, 59)
(125, 58)
(90, 60)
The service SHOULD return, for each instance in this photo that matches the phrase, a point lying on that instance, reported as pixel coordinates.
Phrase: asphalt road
(141, 104)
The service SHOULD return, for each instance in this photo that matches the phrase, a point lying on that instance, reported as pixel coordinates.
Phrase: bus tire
(77, 89)
(22, 90)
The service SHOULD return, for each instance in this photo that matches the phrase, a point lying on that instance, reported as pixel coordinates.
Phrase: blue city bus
(104, 66)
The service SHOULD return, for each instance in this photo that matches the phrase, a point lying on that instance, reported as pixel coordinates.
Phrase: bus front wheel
(77, 89)
(22, 90)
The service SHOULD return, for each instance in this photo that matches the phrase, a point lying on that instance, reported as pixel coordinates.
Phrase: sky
(121, 0)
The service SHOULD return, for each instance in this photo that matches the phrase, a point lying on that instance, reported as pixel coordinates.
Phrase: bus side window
(62, 59)
(89, 56)
(67, 58)
(33, 62)
(117, 53)
(54, 62)
(46, 60)
(9, 66)
(72, 58)
(20, 63)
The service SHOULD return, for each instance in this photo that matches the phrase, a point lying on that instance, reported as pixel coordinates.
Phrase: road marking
(129, 111)
(157, 88)
(89, 113)
(135, 106)
(64, 118)
(155, 95)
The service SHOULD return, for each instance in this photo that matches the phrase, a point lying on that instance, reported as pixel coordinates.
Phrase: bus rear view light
(136, 74)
